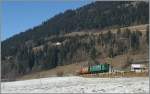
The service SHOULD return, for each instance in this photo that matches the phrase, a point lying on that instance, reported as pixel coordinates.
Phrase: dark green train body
(100, 68)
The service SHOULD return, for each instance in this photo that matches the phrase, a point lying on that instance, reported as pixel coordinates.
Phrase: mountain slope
(95, 15)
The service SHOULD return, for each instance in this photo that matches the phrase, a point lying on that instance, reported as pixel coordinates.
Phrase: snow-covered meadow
(78, 85)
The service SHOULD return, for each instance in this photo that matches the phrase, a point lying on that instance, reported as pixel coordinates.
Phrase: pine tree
(147, 35)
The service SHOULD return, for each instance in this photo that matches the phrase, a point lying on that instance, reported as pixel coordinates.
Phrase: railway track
(117, 74)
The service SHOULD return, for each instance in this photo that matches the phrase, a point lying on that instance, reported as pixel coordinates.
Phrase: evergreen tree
(135, 40)
(147, 34)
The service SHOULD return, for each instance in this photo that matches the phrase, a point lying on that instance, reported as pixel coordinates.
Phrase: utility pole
(110, 62)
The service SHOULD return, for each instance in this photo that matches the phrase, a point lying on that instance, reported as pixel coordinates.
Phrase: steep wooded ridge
(35, 49)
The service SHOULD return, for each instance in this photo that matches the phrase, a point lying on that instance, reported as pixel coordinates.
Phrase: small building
(138, 67)
(58, 43)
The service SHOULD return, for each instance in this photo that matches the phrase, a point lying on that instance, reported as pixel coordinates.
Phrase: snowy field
(78, 85)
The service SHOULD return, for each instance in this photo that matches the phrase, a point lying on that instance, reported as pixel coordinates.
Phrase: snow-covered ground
(78, 85)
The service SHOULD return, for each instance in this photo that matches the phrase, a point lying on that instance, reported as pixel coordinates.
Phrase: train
(100, 68)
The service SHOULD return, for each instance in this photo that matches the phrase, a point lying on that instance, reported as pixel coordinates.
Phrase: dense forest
(36, 49)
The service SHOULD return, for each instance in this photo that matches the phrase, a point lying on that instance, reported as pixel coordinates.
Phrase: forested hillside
(36, 49)
(98, 15)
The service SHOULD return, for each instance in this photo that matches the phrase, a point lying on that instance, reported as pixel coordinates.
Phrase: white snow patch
(78, 85)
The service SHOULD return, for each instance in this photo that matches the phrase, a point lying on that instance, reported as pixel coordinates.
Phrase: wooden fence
(118, 74)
